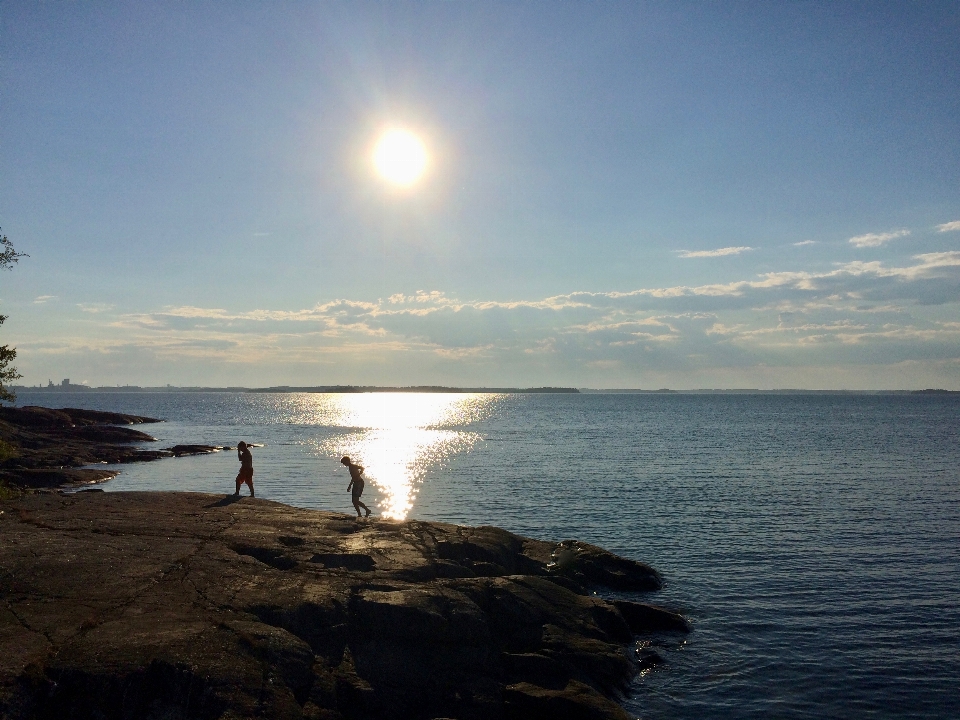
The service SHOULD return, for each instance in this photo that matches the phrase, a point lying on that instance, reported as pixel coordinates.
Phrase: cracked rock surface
(186, 605)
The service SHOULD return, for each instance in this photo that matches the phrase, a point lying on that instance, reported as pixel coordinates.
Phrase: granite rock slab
(187, 605)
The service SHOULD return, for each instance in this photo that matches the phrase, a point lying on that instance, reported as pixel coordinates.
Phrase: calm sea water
(814, 541)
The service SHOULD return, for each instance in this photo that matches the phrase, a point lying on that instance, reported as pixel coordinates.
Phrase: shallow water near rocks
(813, 541)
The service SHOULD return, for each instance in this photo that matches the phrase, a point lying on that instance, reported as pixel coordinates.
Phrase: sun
(400, 157)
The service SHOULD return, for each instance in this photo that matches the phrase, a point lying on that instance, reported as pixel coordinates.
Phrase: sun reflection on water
(398, 437)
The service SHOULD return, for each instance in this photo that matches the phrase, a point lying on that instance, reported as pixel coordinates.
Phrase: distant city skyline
(626, 195)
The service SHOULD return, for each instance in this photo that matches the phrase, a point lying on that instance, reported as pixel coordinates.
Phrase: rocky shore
(46, 448)
(184, 605)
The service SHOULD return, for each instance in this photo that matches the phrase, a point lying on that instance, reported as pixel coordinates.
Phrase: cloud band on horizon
(840, 316)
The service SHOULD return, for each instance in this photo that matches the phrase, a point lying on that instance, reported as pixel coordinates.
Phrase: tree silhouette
(8, 258)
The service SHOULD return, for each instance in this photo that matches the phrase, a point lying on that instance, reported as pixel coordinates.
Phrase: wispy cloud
(805, 242)
(949, 227)
(95, 307)
(719, 252)
(872, 313)
(41, 299)
(639, 315)
(877, 239)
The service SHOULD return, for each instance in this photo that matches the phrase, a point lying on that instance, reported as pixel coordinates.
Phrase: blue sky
(619, 194)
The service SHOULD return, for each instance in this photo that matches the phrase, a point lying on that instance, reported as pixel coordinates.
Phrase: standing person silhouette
(356, 482)
(246, 467)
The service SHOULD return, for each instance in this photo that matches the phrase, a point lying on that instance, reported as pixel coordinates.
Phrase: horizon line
(66, 386)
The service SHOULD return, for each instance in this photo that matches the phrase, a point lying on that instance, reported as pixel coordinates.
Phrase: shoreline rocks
(186, 605)
(46, 448)
(182, 450)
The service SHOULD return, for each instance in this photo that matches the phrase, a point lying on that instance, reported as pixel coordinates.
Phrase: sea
(812, 540)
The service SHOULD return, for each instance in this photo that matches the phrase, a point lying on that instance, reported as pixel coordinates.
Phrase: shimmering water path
(814, 541)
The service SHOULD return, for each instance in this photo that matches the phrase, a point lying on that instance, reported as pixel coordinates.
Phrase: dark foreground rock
(179, 605)
(45, 447)
(36, 478)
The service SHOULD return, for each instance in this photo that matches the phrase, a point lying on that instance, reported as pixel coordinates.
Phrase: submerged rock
(129, 605)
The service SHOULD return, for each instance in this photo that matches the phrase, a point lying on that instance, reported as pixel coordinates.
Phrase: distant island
(757, 391)
(67, 386)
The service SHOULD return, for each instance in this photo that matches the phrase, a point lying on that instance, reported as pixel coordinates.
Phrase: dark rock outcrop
(35, 478)
(643, 618)
(181, 605)
(49, 418)
(181, 450)
(46, 448)
(590, 565)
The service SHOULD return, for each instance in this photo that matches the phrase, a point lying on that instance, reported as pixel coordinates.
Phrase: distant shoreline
(757, 391)
(347, 389)
(293, 389)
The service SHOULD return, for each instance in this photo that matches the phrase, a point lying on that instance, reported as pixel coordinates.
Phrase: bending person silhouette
(356, 482)
(246, 467)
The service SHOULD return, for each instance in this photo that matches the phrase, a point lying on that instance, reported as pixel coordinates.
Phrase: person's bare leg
(250, 483)
(239, 483)
(364, 507)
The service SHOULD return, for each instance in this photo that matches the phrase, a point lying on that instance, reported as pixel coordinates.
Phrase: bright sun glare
(400, 157)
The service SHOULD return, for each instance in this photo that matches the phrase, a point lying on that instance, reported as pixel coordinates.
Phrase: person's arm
(350, 485)
(360, 469)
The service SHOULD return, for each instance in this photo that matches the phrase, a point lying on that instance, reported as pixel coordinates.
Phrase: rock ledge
(46, 448)
(185, 605)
